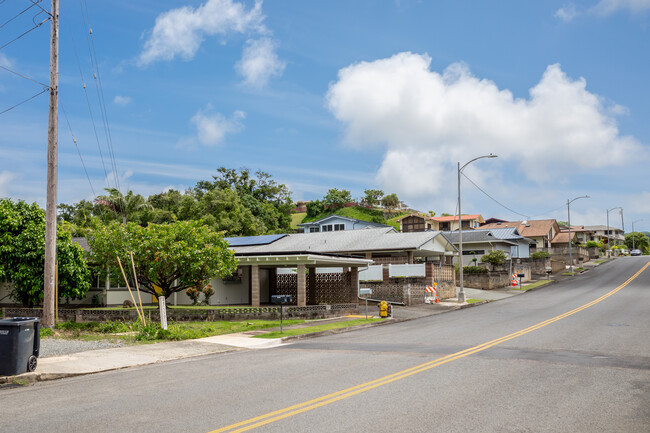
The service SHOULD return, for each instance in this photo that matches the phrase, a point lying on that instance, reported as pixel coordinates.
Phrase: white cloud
(122, 100)
(180, 32)
(5, 178)
(211, 128)
(603, 8)
(428, 121)
(5, 61)
(259, 62)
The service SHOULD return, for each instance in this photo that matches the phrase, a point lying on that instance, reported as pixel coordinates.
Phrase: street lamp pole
(609, 240)
(568, 209)
(461, 292)
(633, 246)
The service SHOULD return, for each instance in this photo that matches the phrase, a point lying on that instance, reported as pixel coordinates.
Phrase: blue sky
(342, 94)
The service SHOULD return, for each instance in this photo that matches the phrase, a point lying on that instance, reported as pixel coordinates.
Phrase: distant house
(541, 232)
(420, 223)
(476, 243)
(561, 240)
(335, 223)
(599, 232)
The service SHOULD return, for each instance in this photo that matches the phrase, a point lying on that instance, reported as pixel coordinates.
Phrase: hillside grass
(297, 218)
(361, 213)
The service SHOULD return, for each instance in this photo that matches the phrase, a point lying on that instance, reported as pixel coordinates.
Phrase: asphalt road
(541, 371)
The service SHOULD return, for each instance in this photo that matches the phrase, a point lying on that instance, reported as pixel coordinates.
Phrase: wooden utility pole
(52, 142)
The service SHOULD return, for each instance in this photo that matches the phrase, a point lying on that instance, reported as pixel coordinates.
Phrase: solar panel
(243, 241)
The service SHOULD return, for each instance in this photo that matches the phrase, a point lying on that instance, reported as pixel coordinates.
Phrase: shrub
(474, 270)
(208, 291)
(194, 294)
(540, 255)
(592, 244)
(497, 257)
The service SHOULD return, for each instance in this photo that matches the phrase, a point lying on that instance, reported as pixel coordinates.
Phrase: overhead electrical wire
(19, 14)
(25, 33)
(26, 100)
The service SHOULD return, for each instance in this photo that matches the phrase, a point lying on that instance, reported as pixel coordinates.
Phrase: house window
(473, 252)
(326, 228)
(313, 230)
(444, 226)
(338, 227)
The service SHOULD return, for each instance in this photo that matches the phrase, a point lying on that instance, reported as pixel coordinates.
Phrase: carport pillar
(255, 286)
(409, 257)
(354, 283)
(302, 286)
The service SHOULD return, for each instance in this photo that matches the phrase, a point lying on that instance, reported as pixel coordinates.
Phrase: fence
(190, 315)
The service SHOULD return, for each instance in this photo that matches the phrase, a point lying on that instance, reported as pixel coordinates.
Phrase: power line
(23, 76)
(16, 16)
(493, 199)
(25, 33)
(26, 100)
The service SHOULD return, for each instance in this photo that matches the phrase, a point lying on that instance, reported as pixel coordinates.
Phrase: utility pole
(52, 143)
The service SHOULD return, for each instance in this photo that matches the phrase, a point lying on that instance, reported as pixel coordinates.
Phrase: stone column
(354, 284)
(255, 286)
(311, 285)
(302, 286)
(409, 257)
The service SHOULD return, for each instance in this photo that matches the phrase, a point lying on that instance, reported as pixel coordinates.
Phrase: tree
(391, 201)
(22, 248)
(641, 241)
(336, 199)
(173, 257)
(496, 257)
(372, 196)
(123, 205)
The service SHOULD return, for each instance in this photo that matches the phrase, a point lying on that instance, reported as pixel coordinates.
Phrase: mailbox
(549, 270)
(521, 275)
(281, 299)
(364, 291)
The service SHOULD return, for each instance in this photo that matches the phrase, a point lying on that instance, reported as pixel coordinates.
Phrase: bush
(194, 294)
(540, 255)
(593, 244)
(474, 270)
(208, 291)
(497, 257)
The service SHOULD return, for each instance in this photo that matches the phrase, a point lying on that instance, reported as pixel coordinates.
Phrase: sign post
(281, 299)
(366, 292)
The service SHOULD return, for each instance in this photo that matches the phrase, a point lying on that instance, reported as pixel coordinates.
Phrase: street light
(568, 209)
(633, 247)
(609, 241)
(461, 292)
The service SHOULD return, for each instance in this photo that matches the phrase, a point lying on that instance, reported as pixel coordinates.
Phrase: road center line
(287, 412)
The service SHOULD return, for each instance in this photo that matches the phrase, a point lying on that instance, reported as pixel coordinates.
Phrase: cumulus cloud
(603, 8)
(211, 128)
(427, 121)
(122, 100)
(259, 62)
(180, 32)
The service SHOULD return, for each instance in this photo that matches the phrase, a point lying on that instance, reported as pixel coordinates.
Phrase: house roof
(348, 241)
(455, 218)
(334, 216)
(509, 235)
(532, 228)
(426, 217)
(563, 237)
(601, 228)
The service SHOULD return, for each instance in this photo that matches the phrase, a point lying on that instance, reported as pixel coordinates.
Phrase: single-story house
(333, 223)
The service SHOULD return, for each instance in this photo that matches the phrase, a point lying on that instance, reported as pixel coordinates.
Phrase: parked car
(635, 253)
(624, 252)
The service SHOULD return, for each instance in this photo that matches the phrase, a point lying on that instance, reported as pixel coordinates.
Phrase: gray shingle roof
(347, 241)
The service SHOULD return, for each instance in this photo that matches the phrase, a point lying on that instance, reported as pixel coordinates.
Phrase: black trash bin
(19, 344)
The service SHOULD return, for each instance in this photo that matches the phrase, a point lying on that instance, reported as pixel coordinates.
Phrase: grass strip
(317, 328)
(532, 285)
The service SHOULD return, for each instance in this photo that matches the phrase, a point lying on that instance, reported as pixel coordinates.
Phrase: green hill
(360, 213)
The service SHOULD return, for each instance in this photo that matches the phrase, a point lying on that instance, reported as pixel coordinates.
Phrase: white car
(635, 253)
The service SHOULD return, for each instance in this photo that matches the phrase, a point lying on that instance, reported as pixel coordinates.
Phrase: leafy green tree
(496, 257)
(126, 206)
(173, 257)
(315, 208)
(336, 199)
(641, 241)
(373, 196)
(390, 201)
(22, 248)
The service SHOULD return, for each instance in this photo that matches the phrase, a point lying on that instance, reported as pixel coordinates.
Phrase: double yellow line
(277, 415)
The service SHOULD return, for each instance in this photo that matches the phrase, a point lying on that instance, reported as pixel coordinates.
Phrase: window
(338, 227)
(326, 228)
(473, 252)
(313, 230)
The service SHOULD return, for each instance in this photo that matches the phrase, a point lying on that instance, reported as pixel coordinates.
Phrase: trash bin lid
(18, 321)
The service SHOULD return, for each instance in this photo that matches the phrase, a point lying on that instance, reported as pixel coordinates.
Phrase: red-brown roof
(455, 218)
(532, 228)
(563, 237)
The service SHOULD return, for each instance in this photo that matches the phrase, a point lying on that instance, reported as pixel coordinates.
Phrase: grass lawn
(134, 332)
(297, 218)
(533, 285)
(474, 301)
(317, 328)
